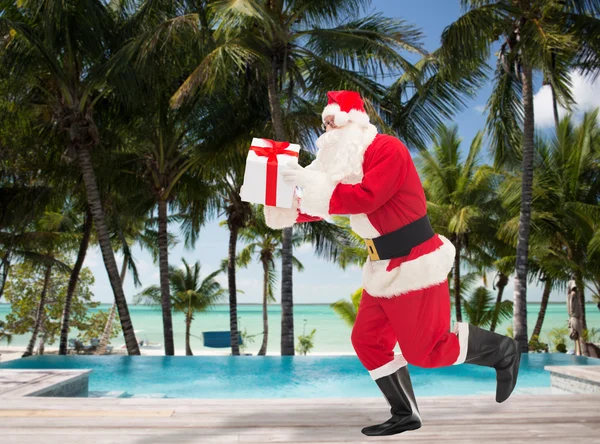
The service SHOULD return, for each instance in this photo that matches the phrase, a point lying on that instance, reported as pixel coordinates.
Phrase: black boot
(398, 391)
(490, 349)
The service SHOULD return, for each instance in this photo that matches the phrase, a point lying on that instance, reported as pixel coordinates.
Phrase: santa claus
(405, 300)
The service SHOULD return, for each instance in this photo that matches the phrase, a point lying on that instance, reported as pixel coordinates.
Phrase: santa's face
(341, 152)
(329, 123)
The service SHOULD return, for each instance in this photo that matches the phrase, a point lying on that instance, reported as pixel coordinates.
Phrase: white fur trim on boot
(280, 218)
(316, 195)
(423, 272)
(389, 368)
(462, 329)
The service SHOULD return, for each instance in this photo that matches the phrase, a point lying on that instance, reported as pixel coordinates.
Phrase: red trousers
(418, 321)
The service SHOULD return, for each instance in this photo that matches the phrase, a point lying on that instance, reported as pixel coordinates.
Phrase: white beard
(341, 152)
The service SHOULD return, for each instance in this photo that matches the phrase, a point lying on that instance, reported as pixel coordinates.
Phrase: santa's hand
(294, 174)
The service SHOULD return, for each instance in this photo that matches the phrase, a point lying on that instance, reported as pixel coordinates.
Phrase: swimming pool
(281, 376)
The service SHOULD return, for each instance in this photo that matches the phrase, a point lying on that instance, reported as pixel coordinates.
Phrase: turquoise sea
(332, 336)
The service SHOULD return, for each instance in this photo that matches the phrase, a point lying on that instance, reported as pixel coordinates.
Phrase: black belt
(399, 243)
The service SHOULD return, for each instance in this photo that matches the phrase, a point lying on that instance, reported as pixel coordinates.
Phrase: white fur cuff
(389, 368)
(462, 329)
(280, 218)
(316, 195)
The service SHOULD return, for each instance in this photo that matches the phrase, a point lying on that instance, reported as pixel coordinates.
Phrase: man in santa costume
(405, 300)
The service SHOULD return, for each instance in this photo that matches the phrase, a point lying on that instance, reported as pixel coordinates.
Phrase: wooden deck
(522, 419)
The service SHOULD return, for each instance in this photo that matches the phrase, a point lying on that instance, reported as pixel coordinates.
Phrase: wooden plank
(84, 413)
(478, 419)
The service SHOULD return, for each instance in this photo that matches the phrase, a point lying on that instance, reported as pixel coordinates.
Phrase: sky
(323, 282)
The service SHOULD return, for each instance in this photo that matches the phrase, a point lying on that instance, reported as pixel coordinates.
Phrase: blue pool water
(281, 377)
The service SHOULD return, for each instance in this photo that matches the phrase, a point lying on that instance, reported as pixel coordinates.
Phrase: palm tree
(549, 36)
(457, 192)
(288, 45)
(189, 295)
(480, 308)
(66, 46)
(83, 246)
(565, 210)
(347, 310)
(56, 229)
(4, 334)
(501, 283)
(266, 243)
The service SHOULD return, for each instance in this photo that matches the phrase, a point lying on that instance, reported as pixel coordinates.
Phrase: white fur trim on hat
(359, 117)
(316, 195)
(280, 218)
(341, 118)
(425, 271)
(331, 110)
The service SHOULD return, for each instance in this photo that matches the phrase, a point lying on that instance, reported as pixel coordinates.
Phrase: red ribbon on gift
(272, 166)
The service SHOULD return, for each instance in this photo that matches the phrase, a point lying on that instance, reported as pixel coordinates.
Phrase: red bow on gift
(271, 153)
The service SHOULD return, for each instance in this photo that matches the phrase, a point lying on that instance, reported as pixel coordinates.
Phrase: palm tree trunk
(554, 106)
(581, 294)
(83, 246)
(106, 334)
(542, 314)
(457, 305)
(42, 343)
(502, 282)
(263, 347)
(287, 289)
(520, 293)
(93, 196)
(5, 267)
(188, 325)
(40, 313)
(163, 263)
(233, 326)
(553, 92)
(287, 296)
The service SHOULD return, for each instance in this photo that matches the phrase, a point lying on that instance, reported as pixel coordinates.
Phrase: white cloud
(585, 92)
(479, 108)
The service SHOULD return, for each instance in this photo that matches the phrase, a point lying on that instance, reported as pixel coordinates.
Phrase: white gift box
(254, 189)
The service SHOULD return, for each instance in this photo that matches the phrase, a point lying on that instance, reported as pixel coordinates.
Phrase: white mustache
(328, 139)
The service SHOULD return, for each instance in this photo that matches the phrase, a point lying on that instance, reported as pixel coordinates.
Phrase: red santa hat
(346, 106)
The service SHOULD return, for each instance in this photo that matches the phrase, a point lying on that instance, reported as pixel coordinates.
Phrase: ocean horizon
(332, 335)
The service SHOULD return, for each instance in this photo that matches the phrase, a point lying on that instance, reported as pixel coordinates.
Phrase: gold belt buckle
(372, 250)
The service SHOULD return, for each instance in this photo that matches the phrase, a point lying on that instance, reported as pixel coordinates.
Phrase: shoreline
(13, 349)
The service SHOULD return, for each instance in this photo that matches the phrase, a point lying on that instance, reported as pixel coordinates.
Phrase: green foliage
(306, 342)
(5, 335)
(479, 309)
(23, 290)
(188, 292)
(96, 323)
(536, 346)
(247, 338)
(557, 337)
(347, 310)
(510, 331)
(591, 335)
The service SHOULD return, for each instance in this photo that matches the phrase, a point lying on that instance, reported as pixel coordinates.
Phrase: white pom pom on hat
(345, 106)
